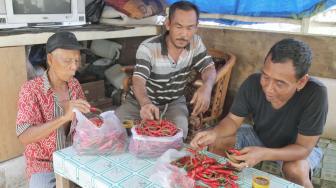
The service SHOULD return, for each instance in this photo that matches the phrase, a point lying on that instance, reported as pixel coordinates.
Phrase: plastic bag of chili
(151, 146)
(167, 175)
(110, 137)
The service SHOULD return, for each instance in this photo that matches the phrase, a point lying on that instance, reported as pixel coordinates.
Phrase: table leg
(62, 182)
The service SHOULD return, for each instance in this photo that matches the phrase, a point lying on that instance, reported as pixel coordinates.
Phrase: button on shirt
(38, 104)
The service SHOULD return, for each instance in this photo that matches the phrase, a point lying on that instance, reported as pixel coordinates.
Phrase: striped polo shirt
(166, 79)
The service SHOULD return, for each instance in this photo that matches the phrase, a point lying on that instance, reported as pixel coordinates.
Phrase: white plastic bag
(109, 138)
(149, 146)
(167, 175)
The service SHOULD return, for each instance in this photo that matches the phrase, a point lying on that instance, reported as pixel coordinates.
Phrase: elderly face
(279, 82)
(182, 26)
(64, 63)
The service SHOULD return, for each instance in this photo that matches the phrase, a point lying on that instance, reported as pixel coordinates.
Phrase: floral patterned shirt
(38, 104)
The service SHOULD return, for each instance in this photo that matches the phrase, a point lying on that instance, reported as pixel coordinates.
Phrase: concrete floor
(12, 173)
(324, 175)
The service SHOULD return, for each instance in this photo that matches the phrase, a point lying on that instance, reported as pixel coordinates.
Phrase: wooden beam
(250, 18)
(41, 38)
(62, 182)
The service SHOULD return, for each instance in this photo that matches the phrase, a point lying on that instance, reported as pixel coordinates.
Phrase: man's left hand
(250, 156)
(201, 100)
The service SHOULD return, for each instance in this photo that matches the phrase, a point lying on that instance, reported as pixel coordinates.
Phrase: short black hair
(295, 50)
(182, 5)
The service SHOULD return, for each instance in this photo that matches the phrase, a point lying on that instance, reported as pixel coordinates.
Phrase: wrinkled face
(64, 63)
(182, 26)
(279, 83)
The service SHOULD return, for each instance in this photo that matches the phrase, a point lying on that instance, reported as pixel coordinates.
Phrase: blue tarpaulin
(263, 8)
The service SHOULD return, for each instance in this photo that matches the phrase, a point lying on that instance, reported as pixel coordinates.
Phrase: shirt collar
(47, 85)
(46, 82)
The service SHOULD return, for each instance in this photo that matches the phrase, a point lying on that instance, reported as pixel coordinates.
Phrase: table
(125, 170)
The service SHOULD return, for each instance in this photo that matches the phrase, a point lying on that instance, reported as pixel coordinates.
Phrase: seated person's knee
(296, 171)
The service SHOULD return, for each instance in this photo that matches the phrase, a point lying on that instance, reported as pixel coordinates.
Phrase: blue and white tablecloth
(125, 170)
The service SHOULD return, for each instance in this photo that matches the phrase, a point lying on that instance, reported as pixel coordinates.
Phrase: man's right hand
(204, 138)
(82, 105)
(149, 111)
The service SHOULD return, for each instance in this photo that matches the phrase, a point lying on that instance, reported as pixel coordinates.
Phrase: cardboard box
(95, 94)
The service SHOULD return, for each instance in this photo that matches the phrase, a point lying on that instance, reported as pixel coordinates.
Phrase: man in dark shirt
(288, 109)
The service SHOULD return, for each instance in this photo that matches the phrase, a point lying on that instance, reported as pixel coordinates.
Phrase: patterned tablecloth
(126, 170)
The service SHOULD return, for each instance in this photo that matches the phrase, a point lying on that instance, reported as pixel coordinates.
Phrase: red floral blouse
(38, 104)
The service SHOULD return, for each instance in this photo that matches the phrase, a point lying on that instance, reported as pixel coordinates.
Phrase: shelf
(40, 36)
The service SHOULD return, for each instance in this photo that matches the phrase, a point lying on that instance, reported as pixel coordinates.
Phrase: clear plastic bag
(109, 138)
(167, 175)
(149, 146)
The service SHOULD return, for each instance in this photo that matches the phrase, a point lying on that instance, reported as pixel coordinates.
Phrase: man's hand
(203, 138)
(250, 156)
(82, 105)
(201, 99)
(149, 111)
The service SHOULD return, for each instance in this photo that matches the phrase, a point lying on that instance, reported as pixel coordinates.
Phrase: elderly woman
(45, 108)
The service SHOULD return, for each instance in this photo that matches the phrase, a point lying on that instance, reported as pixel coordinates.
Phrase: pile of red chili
(156, 128)
(208, 170)
(152, 138)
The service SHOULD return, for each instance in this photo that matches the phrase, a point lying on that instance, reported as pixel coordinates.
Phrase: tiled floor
(324, 175)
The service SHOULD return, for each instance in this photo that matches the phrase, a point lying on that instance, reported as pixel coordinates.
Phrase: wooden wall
(12, 75)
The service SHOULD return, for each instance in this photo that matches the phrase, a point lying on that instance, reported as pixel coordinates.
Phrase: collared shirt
(165, 78)
(38, 104)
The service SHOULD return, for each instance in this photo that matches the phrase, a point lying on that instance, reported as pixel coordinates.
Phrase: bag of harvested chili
(144, 146)
(95, 136)
(167, 175)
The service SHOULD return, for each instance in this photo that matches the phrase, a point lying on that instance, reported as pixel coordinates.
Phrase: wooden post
(13, 74)
(62, 182)
(305, 25)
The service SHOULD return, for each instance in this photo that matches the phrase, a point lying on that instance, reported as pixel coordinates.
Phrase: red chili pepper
(234, 151)
(234, 177)
(199, 169)
(208, 170)
(154, 128)
(209, 161)
(205, 179)
(192, 174)
(226, 172)
(217, 166)
(200, 186)
(96, 121)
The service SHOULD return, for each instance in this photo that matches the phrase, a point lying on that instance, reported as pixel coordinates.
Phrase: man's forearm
(36, 133)
(209, 76)
(226, 128)
(291, 152)
(140, 92)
